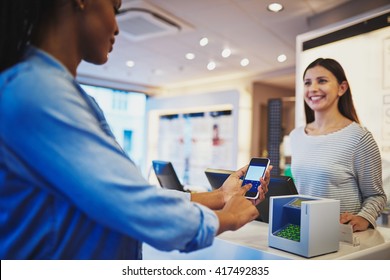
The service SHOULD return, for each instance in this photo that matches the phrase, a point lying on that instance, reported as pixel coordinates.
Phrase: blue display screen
(254, 173)
(253, 177)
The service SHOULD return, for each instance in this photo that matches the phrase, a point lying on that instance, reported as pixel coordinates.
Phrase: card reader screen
(296, 203)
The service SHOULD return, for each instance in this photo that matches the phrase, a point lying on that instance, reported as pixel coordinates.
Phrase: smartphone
(256, 170)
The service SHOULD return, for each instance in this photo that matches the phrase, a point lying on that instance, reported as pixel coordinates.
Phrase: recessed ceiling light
(204, 41)
(282, 58)
(211, 65)
(130, 63)
(190, 56)
(157, 72)
(275, 7)
(226, 52)
(244, 62)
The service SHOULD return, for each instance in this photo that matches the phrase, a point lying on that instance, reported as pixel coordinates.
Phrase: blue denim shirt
(67, 190)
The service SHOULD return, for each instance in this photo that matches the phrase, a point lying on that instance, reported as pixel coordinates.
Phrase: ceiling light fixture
(204, 41)
(282, 58)
(211, 65)
(130, 63)
(157, 72)
(244, 62)
(190, 56)
(226, 52)
(275, 7)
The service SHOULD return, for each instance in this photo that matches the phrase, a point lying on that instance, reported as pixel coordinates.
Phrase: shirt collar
(44, 57)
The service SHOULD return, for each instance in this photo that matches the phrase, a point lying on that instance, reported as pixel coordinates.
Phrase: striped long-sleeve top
(344, 165)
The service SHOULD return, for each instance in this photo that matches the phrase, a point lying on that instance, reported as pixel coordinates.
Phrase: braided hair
(19, 20)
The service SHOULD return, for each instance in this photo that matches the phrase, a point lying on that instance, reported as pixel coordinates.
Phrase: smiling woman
(333, 156)
(318, 77)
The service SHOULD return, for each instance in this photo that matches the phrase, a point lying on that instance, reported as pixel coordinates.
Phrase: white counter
(251, 242)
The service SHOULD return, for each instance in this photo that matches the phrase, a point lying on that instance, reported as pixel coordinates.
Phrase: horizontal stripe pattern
(344, 165)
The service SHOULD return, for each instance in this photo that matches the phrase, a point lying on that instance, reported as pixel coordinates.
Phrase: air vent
(141, 25)
(139, 20)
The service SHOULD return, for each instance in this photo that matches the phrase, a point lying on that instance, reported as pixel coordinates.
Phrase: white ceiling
(245, 26)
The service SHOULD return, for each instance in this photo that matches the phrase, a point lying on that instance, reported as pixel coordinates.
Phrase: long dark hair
(19, 20)
(345, 104)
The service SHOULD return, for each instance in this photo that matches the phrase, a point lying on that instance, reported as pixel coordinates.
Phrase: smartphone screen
(256, 169)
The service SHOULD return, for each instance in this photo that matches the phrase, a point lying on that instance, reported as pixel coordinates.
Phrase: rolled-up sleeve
(207, 229)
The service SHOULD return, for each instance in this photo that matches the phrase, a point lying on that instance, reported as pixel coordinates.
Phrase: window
(125, 113)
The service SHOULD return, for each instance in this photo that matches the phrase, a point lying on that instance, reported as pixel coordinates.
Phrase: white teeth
(315, 98)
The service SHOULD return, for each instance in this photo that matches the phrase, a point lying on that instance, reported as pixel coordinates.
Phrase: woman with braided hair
(67, 190)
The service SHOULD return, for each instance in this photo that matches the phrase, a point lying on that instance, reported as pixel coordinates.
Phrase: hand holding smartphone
(256, 170)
